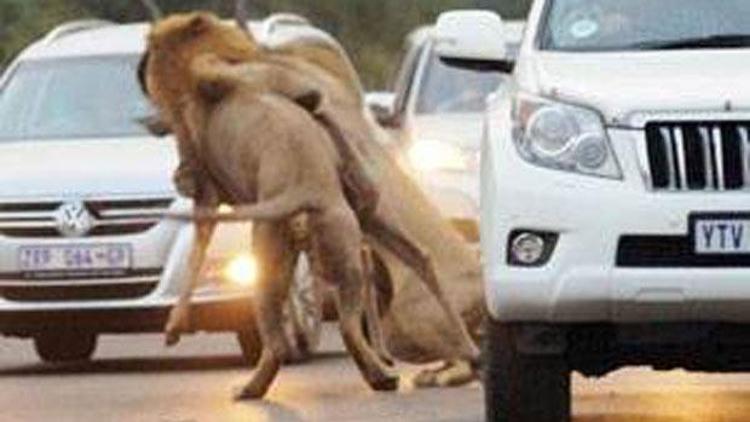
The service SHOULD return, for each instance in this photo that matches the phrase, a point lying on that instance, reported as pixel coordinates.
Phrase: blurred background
(372, 30)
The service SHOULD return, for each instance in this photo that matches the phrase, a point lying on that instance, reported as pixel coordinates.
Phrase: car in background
(436, 112)
(83, 249)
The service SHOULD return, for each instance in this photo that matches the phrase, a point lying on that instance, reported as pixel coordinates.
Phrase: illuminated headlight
(240, 270)
(563, 137)
(426, 155)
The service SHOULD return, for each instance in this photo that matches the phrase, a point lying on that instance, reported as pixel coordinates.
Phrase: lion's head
(176, 41)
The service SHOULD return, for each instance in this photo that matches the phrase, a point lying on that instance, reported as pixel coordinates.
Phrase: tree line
(372, 31)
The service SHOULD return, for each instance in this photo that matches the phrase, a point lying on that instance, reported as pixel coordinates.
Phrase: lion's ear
(199, 24)
(312, 101)
(142, 71)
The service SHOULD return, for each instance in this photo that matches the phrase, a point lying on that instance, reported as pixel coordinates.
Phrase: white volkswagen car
(436, 112)
(82, 249)
(615, 208)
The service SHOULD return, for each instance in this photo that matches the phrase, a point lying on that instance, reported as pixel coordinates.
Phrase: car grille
(670, 252)
(131, 284)
(110, 217)
(689, 156)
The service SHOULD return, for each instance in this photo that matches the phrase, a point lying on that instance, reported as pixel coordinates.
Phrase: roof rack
(271, 23)
(73, 27)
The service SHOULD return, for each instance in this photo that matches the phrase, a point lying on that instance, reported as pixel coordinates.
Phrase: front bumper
(217, 306)
(227, 314)
(582, 282)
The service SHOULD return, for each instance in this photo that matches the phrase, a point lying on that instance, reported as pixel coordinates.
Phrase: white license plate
(75, 258)
(721, 236)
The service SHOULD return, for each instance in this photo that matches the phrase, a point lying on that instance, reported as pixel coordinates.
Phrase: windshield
(91, 97)
(615, 25)
(449, 89)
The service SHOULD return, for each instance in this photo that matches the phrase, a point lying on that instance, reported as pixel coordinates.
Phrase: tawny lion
(192, 99)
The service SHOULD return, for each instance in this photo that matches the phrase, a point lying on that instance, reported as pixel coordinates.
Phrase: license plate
(75, 258)
(721, 236)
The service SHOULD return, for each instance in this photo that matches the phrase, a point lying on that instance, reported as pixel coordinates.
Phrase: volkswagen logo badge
(73, 219)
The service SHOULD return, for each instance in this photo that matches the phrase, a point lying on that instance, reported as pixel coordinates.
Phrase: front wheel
(521, 387)
(63, 347)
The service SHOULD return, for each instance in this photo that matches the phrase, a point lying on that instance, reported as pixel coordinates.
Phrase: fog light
(242, 270)
(527, 248)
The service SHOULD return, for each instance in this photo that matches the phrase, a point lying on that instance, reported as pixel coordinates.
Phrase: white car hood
(618, 84)
(86, 168)
(463, 130)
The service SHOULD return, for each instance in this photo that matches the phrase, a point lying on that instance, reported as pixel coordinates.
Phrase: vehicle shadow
(626, 418)
(641, 418)
(146, 365)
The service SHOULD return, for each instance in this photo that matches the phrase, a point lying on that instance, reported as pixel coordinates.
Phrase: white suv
(82, 249)
(615, 209)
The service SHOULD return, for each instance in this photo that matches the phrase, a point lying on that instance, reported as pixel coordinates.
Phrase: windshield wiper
(710, 41)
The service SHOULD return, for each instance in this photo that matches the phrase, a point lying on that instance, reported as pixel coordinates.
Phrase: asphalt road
(135, 379)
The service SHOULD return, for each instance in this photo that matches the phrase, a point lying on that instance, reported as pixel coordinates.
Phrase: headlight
(426, 155)
(240, 270)
(563, 137)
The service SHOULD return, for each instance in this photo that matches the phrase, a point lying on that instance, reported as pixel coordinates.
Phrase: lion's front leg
(179, 317)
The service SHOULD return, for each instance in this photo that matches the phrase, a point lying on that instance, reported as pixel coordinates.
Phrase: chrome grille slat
(666, 136)
(131, 213)
(719, 150)
(24, 224)
(745, 155)
(126, 221)
(681, 163)
(698, 155)
(708, 161)
(110, 217)
(31, 215)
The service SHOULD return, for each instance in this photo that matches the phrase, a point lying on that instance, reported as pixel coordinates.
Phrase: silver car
(82, 249)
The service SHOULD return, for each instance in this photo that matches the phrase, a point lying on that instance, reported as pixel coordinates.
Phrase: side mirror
(471, 36)
(383, 107)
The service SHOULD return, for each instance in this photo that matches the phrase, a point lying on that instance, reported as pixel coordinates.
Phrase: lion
(324, 71)
(289, 167)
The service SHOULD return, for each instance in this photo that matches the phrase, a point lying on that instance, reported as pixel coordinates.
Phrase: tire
(303, 313)
(64, 347)
(250, 344)
(521, 387)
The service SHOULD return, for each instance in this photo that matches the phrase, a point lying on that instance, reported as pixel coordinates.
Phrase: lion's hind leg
(273, 246)
(419, 260)
(338, 241)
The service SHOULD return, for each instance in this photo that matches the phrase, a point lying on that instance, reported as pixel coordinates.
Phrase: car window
(406, 77)
(615, 25)
(87, 97)
(450, 89)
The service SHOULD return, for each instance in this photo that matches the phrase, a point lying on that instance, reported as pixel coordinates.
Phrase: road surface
(135, 379)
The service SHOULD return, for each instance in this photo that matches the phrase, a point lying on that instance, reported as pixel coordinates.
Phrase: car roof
(97, 38)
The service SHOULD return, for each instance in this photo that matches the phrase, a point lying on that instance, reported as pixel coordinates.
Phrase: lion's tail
(277, 208)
